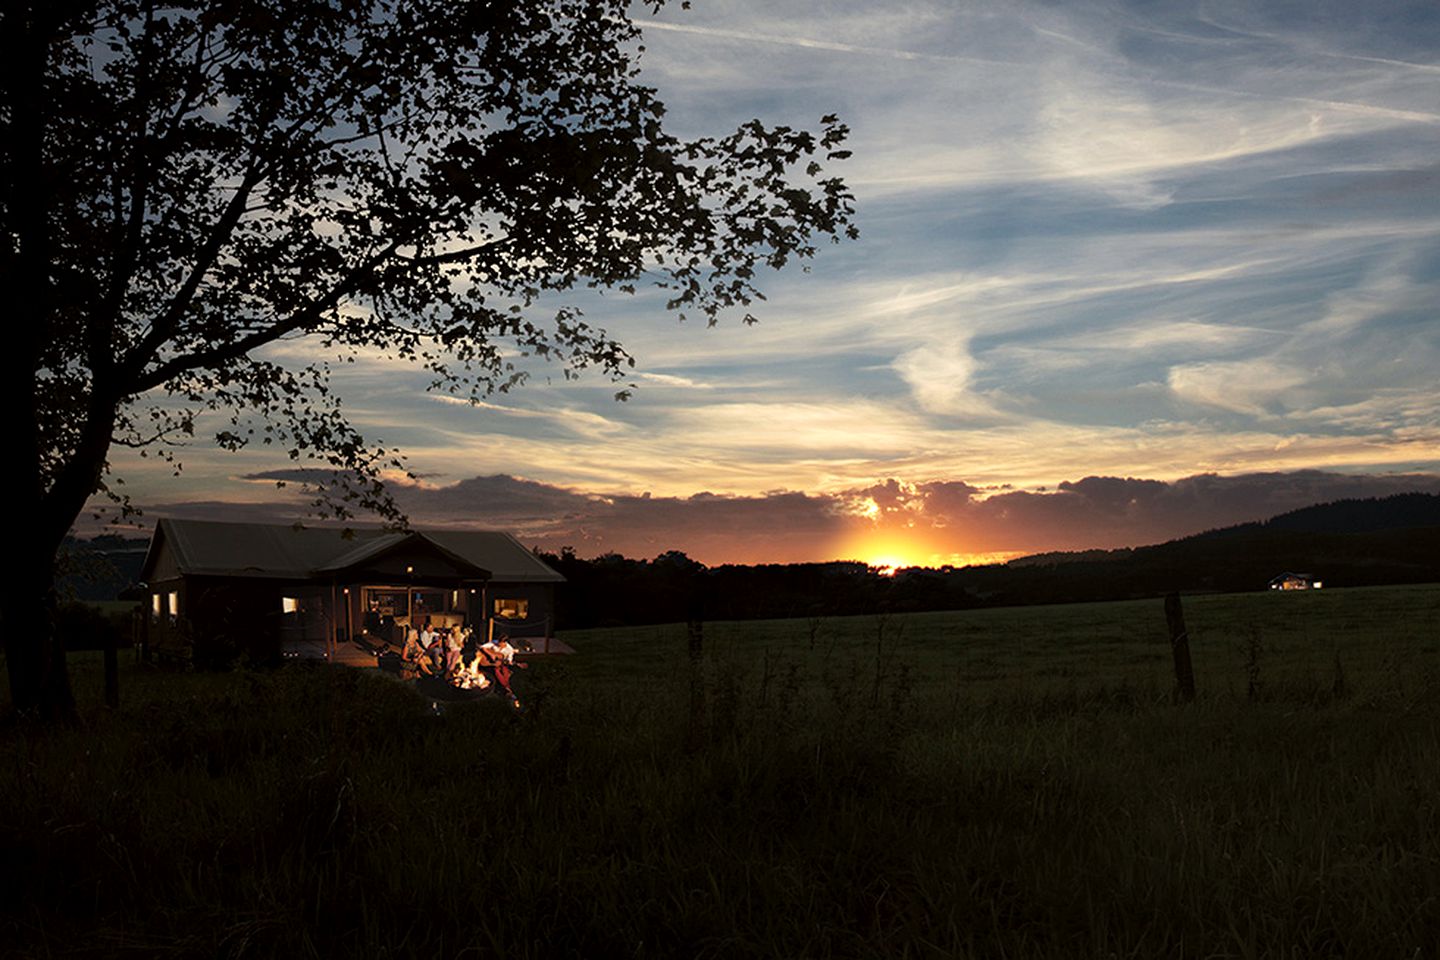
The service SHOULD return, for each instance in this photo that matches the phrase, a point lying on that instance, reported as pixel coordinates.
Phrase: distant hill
(1397, 512)
(1392, 539)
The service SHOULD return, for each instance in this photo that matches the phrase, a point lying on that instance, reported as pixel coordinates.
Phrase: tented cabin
(219, 589)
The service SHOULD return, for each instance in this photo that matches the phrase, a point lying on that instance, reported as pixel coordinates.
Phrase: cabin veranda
(221, 591)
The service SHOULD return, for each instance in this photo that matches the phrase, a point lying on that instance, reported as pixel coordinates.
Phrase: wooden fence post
(1180, 647)
(112, 673)
(695, 637)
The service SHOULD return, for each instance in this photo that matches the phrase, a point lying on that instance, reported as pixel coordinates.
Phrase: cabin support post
(1180, 648)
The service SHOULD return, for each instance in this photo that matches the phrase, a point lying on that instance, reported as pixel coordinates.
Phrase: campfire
(468, 675)
(450, 665)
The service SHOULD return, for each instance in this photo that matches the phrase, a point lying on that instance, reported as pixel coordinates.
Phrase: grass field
(997, 783)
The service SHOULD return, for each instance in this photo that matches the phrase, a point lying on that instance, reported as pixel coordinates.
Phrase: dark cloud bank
(782, 527)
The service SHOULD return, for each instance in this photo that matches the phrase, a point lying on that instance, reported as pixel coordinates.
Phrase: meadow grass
(995, 783)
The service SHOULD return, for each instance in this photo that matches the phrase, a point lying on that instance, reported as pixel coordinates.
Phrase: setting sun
(886, 566)
(892, 550)
(889, 550)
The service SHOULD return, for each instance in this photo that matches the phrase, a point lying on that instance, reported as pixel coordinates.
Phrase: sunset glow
(887, 566)
(1111, 288)
(890, 543)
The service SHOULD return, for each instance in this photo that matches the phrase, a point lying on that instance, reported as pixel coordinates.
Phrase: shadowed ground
(1000, 782)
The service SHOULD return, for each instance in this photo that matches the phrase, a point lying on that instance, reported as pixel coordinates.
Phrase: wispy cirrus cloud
(1098, 239)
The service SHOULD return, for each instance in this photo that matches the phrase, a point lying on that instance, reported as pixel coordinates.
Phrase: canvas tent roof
(1291, 576)
(506, 558)
(221, 548)
(376, 547)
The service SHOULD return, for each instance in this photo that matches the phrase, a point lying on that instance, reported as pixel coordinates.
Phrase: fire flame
(467, 676)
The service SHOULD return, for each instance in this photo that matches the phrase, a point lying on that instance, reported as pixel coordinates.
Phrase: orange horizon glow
(890, 550)
(890, 565)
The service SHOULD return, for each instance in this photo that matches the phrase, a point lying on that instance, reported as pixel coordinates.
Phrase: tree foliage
(186, 185)
(408, 177)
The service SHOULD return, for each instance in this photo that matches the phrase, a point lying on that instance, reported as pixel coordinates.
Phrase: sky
(1126, 272)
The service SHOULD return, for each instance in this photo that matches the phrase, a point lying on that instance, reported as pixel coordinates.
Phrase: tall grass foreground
(997, 783)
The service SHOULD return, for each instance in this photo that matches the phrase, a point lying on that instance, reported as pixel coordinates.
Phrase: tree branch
(235, 349)
(164, 326)
(453, 256)
(101, 334)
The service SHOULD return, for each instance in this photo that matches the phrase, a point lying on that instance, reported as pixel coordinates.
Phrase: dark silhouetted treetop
(186, 184)
(209, 178)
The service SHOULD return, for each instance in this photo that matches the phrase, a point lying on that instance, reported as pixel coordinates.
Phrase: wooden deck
(346, 653)
(349, 655)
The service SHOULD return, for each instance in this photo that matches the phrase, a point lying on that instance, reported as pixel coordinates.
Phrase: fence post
(695, 637)
(1180, 647)
(112, 673)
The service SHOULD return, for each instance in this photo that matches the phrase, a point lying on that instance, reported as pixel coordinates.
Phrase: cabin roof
(287, 551)
(1291, 576)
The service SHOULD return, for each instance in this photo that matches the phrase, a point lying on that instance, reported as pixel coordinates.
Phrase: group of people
(441, 651)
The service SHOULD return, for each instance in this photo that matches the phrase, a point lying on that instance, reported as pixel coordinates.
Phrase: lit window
(157, 604)
(174, 604)
(512, 609)
(289, 604)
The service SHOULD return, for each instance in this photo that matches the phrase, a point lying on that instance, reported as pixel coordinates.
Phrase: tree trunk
(34, 655)
(35, 662)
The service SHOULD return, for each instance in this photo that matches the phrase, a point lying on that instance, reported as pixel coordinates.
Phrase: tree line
(612, 590)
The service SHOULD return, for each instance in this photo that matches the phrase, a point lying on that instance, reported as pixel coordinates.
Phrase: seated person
(432, 660)
(501, 655)
(453, 646)
(498, 650)
(412, 655)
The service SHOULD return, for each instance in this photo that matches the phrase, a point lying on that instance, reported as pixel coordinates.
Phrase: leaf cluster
(189, 186)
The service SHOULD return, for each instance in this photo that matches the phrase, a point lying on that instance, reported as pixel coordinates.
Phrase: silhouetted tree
(186, 183)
